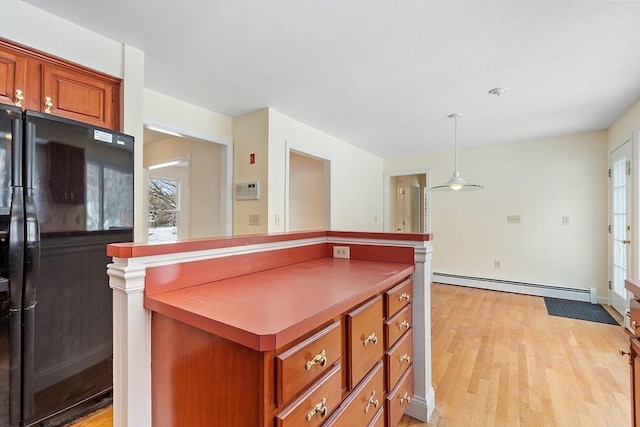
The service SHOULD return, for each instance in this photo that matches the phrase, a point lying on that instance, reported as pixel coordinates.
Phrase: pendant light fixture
(456, 183)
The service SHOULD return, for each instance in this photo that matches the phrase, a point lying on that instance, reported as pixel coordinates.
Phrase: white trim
(575, 293)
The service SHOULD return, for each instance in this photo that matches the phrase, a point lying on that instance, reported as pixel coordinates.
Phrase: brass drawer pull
(405, 358)
(622, 352)
(371, 402)
(371, 338)
(319, 408)
(48, 103)
(320, 358)
(405, 398)
(404, 324)
(404, 296)
(19, 98)
(635, 324)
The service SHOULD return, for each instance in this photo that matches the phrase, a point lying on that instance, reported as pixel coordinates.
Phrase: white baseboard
(553, 291)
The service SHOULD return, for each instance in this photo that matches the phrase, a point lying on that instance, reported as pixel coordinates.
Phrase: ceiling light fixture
(456, 183)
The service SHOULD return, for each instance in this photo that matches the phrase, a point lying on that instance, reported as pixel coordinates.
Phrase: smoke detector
(498, 91)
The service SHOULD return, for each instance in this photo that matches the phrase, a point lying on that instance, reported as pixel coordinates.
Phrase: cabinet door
(12, 77)
(79, 96)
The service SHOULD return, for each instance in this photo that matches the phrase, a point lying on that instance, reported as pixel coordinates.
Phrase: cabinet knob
(371, 338)
(371, 401)
(404, 324)
(320, 359)
(635, 324)
(48, 103)
(622, 352)
(404, 296)
(405, 398)
(18, 98)
(320, 408)
(405, 358)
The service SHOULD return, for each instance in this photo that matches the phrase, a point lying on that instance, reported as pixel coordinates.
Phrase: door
(619, 238)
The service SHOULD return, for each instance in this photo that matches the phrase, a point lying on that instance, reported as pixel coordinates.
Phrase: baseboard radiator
(571, 293)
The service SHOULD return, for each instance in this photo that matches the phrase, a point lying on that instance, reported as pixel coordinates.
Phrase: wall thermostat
(248, 191)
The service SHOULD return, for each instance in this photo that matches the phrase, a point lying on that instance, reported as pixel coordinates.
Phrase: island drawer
(365, 346)
(302, 364)
(397, 297)
(314, 406)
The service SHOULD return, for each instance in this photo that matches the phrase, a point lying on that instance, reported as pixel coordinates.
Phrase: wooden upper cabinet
(54, 86)
(12, 77)
(78, 96)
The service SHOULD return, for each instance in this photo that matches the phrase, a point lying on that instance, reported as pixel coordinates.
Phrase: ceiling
(385, 75)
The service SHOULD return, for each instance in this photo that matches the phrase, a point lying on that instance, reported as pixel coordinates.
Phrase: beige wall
(540, 180)
(306, 193)
(251, 135)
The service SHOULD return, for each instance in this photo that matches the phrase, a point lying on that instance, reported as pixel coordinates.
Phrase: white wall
(356, 175)
(540, 180)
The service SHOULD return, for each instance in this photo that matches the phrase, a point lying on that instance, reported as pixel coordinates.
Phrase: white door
(619, 238)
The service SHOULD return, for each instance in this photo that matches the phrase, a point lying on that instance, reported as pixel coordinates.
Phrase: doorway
(620, 214)
(407, 204)
(308, 192)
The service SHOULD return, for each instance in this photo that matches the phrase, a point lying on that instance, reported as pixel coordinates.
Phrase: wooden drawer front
(302, 364)
(398, 359)
(360, 407)
(634, 308)
(395, 327)
(397, 297)
(378, 419)
(365, 340)
(399, 398)
(314, 406)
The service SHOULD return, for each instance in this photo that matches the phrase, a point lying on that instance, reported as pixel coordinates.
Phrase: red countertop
(269, 309)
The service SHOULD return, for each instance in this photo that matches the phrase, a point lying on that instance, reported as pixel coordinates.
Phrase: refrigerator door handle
(31, 271)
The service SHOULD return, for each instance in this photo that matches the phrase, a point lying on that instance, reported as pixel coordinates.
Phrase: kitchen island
(216, 314)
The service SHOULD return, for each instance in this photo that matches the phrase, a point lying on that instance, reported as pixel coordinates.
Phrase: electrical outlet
(254, 219)
(341, 252)
(277, 220)
(565, 220)
(496, 264)
(513, 219)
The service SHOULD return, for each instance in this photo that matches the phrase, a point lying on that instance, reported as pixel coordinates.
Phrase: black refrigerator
(66, 191)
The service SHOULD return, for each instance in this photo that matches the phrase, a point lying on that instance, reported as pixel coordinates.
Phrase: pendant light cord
(455, 148)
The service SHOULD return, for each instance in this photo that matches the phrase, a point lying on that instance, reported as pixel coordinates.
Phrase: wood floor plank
(528, 368)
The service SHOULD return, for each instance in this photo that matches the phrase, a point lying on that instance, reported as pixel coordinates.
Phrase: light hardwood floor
(500, 360)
